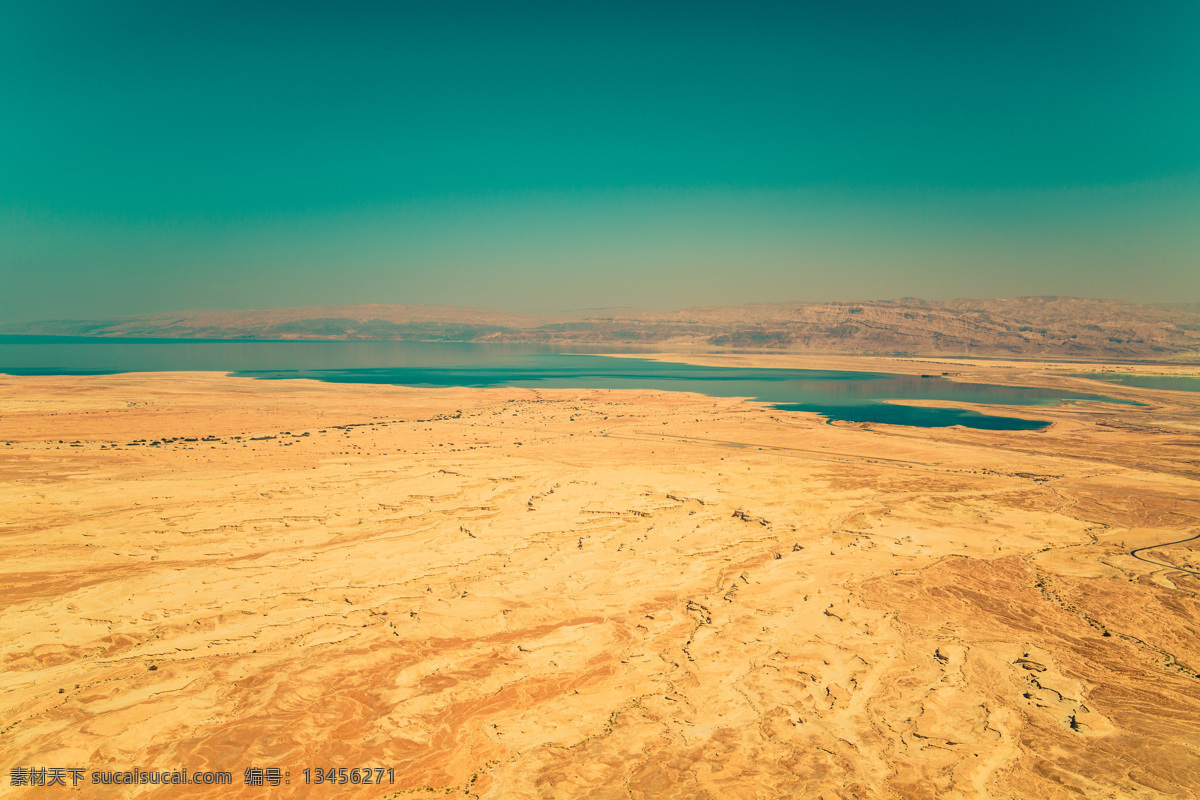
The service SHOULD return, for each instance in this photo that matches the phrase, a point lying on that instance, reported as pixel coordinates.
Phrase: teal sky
(158, 156)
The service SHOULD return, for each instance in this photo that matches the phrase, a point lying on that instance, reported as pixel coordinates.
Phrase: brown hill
(1024, 326)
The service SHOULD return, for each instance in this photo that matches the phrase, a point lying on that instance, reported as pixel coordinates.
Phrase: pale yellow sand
(519, 594)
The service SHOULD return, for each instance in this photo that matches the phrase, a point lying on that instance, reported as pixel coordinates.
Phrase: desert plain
(514, 593)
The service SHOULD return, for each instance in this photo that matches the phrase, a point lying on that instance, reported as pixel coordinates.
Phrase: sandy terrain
(508, 593)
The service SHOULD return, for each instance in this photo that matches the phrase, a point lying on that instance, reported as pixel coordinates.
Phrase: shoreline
(508, 592)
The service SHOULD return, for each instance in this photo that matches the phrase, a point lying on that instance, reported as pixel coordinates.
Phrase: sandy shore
(508, 593)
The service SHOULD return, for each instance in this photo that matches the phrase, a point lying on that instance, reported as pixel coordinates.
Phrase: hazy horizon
(568, 311)
(538, 158)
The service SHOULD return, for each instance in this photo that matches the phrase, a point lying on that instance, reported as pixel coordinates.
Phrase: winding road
(1134, 553)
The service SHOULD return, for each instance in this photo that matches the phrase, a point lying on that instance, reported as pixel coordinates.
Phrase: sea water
(837, 395)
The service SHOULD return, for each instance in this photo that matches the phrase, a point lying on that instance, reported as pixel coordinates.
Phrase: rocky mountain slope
(1025, 326)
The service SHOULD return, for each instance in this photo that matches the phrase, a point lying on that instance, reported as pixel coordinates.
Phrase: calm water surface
(852, 396)
(1180, 383)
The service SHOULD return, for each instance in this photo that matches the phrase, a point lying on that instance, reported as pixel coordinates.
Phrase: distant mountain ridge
(1022, 326)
